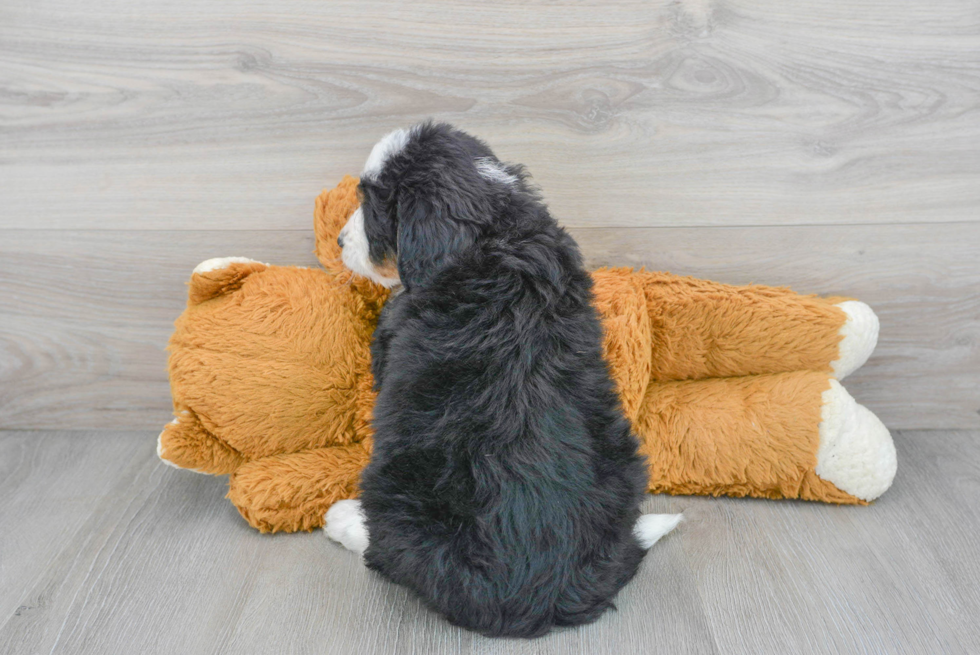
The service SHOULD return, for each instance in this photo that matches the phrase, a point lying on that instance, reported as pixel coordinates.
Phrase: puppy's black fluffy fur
(505, 481)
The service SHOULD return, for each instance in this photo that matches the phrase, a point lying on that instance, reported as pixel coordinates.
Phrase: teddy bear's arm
(288, 493)
(186, 444)
(785, 435)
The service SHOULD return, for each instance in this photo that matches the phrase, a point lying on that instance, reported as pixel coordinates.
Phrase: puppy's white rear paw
(218, 263)
(860, 332)
(856, 450)
(650, 527)
(344, 523)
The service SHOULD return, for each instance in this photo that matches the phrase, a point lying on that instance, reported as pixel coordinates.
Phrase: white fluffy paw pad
(345, 524)
(856, 451)
(218, 263)
(860, 332)
(649, 528)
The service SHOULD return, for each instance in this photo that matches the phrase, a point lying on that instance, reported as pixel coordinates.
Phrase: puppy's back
(505, 481)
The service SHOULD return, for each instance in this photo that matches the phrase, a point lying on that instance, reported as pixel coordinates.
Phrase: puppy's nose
(340, 241)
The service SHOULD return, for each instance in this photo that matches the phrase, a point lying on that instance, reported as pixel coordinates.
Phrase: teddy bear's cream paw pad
(860, 332)
(856, 451)
(217, 263)
(344, 523)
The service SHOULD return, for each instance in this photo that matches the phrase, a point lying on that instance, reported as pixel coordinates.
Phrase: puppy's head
(427, 193)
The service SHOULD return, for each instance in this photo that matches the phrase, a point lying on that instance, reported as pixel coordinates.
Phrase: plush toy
(731, 390)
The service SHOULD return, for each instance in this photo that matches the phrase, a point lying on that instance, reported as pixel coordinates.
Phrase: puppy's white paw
(650, 527)
(218, 263)
(860, 332)
(856, 451)
(344, 523)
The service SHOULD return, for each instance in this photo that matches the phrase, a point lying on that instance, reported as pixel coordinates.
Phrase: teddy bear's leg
(784, 435)
(186, 444)
(293, 492)
(220, 275)
(702, 329)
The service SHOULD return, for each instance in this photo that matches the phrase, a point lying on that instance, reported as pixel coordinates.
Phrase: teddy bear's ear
(333, 206)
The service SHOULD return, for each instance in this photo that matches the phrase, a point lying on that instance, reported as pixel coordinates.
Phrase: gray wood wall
(826, 145)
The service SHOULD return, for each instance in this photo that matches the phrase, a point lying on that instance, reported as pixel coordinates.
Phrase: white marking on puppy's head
(408, 175)
(389, 145)
(356, 253)
(494, 171)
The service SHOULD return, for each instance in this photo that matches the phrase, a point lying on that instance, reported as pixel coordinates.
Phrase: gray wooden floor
(830, 146)
(105, 550)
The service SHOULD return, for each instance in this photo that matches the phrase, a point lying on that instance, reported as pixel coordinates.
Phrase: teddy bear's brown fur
(269, 368)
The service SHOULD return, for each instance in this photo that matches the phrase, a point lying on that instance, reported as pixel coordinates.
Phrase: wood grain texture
(51, 484)
(85, 318)
(105, 550)
(844, 581)
(833, 147)
(189, 115)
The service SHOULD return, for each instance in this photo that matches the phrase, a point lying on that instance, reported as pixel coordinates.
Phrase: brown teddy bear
(731, 390)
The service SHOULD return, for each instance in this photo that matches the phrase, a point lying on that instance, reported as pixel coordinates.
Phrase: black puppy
(505, 484)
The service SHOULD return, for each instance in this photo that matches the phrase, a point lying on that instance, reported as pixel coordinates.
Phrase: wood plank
(51, 483)
(127, 555)
(84, 319)
(898, 576)
(639, 113)
(143, 536)
(166, 565)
